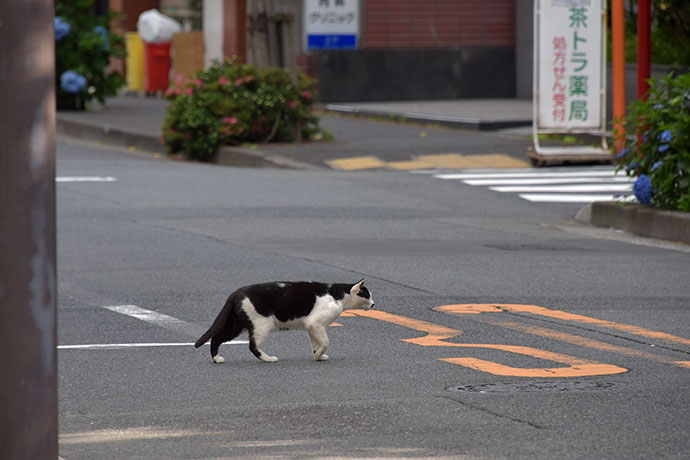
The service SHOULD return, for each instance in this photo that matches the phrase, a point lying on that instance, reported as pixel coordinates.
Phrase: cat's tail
(218, 324)
(204, 338)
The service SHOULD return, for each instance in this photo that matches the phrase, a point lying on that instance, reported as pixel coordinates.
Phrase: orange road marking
(435, 333)
(589, 343)
(574, 367)
(436, 336)
(557, 314)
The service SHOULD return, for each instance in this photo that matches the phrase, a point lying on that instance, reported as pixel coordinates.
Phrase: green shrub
(658, 144)
(84, 45)
(235, 103)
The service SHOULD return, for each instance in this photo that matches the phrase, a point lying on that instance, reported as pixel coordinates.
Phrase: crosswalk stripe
(566, 198)
(523, 173)
(581, 185)
(564, 188)
(555, 180)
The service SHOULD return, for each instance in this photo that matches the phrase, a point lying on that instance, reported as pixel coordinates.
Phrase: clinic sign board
(569, 66)
(331, 24)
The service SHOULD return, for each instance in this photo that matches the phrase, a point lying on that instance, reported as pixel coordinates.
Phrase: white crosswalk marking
(562, 185)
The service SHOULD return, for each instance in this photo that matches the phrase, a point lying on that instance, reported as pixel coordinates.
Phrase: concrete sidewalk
(481, 114)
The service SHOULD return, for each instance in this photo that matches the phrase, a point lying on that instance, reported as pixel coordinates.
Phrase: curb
(245, 157)
(443, 120)
(638, 219)
(108, 135)
(226, 155)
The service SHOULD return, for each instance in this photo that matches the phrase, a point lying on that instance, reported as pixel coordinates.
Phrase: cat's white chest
(326, 310)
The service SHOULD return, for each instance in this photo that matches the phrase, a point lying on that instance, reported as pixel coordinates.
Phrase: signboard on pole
(331, 24)
(570, 70)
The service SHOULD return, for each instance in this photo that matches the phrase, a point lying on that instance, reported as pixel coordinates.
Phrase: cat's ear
(355, 289)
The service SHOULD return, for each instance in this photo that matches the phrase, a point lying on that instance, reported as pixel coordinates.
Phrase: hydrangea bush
(235, 103)
(84, 45)
(657, 150)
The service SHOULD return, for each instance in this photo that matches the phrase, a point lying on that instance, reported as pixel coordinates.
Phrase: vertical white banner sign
(569, 64)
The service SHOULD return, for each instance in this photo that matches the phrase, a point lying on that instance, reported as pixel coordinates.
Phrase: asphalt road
(560, 345)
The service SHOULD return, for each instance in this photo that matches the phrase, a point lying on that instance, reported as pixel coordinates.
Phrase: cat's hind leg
(225, 335)
(257, 337)
(319, 342)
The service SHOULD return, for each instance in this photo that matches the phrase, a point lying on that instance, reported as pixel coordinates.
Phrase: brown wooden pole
(28, 292)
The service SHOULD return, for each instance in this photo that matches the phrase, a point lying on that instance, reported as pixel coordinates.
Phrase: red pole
(644, 54)
(618, 52)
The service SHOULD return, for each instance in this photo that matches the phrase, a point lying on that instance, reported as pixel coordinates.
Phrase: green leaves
(658, 131)
(236, 103)
(87, 49)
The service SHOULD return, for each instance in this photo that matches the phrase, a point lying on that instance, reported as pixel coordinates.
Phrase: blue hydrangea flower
(103, 33)
(658, 106)
(622, 153)
(643, 189)
(665, 136)
(632, 166)
(657, 165)
(72, 82)
(62, 28)
(663, 147)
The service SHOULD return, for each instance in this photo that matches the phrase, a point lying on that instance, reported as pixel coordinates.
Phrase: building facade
(404, 49)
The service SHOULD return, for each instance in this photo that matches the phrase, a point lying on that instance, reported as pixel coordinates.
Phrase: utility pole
(28, 293)
(618, 57)
(644, 53)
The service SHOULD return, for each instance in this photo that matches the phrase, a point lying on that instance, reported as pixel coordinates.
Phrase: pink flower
(230, 120)
(292, 104)
(189, 91)
(180, 80)
(198, 82)
(223, 81)
(238, 81)
(249, 78)
(306, 94)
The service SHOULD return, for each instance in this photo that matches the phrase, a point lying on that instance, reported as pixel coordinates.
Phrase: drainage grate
(534, 387)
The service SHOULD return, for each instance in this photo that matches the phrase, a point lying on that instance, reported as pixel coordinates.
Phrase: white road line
(542, 173)
(119, 346)
(565, 188)
(85, 179)
(539, 181)
(159, 319)
(567, 198)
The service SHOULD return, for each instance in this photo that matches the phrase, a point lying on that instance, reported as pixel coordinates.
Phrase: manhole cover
(533, 387)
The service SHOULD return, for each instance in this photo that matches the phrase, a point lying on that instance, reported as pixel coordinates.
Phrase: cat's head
(359, 297)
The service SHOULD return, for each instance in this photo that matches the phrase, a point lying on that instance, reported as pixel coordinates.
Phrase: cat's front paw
(322, 358)
(269, 359)
(218, 359)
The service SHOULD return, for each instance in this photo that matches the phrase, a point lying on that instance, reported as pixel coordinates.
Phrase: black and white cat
(263, 308)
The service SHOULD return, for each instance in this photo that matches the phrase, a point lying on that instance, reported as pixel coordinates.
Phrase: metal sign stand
(544, 93)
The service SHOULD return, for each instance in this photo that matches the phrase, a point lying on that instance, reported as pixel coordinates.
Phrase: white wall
(213, 30)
